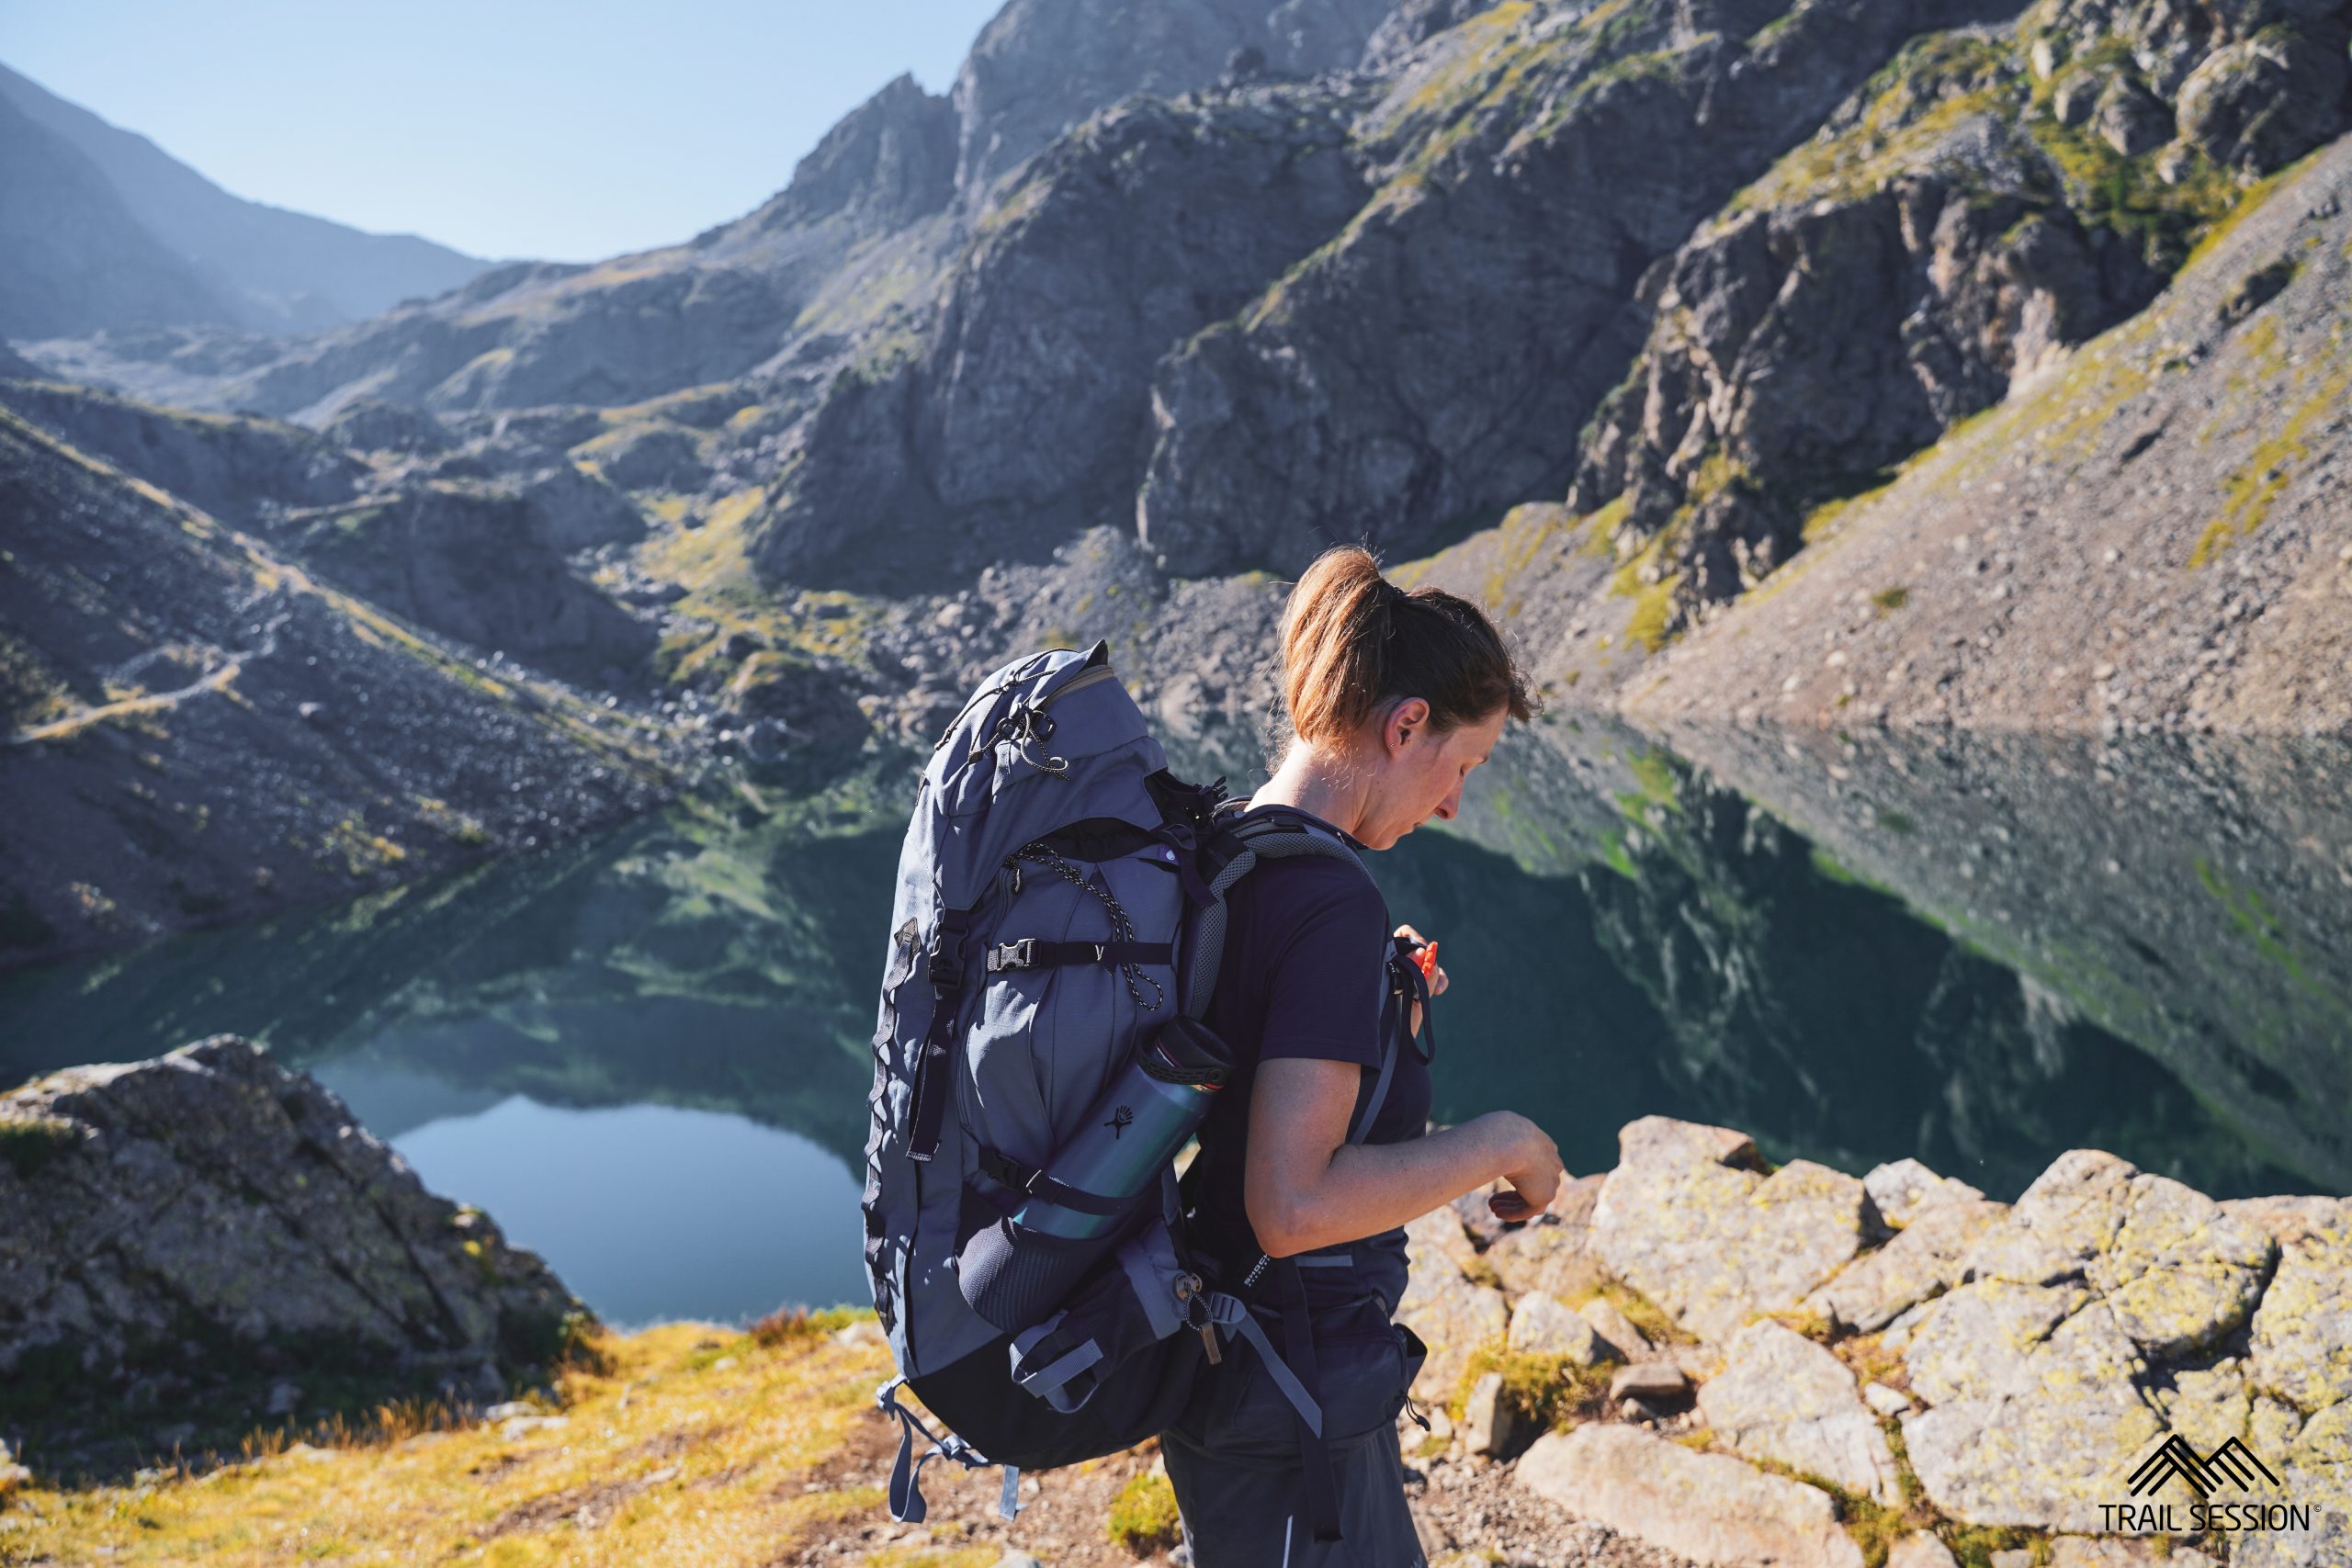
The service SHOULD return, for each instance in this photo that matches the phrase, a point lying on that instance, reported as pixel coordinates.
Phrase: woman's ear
(1409, 719)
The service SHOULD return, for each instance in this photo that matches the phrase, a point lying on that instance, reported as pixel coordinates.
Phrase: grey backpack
(1060, 907)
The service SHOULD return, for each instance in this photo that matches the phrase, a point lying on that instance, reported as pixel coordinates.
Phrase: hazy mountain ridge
(77, 257)
(261, 268)
(199, 730)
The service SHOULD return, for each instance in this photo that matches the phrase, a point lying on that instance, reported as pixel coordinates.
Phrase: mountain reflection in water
(1977, 950)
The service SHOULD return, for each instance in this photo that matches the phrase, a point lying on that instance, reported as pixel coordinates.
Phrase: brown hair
(1353, 641)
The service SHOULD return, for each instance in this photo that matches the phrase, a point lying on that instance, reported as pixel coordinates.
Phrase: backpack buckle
(1021, 954)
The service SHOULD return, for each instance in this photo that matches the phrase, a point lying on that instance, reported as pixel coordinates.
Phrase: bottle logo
(1121, 1120)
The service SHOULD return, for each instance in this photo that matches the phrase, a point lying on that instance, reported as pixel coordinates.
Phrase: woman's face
(1419, 772)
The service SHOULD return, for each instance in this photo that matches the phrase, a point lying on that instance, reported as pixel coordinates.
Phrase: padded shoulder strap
(1275, 834)
(1268, 835)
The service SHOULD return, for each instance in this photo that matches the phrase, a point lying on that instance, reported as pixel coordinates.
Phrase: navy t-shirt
(1304, 975)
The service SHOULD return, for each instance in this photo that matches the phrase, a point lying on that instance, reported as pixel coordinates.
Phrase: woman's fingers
(1508, 1204)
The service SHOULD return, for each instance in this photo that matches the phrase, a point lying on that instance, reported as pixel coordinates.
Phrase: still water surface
(645, 1057)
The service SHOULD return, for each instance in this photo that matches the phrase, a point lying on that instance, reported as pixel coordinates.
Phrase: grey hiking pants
(1242, 1516)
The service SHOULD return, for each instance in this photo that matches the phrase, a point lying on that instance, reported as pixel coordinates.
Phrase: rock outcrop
(2148, 538)
(1020, 419)
(1689, 1219)
(241, 469)
(479, 565)
(1434, 361)
(188, 1225)
(1985, 203)
(1708, 1507)
(2040, 1352)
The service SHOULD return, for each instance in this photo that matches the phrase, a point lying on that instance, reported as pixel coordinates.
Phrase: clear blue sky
(568, 129)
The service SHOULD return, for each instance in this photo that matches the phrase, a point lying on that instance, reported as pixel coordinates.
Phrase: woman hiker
(1394, 698)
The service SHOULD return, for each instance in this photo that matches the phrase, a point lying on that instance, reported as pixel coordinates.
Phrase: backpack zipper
(1083, 678)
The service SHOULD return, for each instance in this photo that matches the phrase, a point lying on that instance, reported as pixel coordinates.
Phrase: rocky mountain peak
(888, 162)
(1041, 66)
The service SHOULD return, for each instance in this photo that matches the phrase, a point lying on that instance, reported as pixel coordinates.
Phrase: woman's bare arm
(1305, 1186)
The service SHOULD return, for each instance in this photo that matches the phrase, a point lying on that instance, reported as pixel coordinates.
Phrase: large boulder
(2178, 1271)
(1712, 1509)
(183, 1219)
(2038, 1432)
(1688, 1219)
(2302, 1330)
(1784, 1398)
(2085, 1328)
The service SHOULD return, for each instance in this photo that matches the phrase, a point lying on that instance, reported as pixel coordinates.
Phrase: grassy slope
(689, 1445)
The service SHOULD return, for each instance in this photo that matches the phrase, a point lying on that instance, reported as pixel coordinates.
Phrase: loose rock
(1709, 1507)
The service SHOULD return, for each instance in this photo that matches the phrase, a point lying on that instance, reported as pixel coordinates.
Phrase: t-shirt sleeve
(1325, 987)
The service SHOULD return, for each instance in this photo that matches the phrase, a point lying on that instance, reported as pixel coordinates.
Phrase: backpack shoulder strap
(1267, 834)
(1274, 834)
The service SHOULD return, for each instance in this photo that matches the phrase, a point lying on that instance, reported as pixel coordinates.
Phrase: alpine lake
(645, 1056)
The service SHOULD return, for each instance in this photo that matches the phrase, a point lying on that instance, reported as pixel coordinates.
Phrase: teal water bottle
(1135, 1129)
(1015, 1270)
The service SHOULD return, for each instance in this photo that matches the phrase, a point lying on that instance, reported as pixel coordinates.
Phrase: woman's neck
(1319, 782)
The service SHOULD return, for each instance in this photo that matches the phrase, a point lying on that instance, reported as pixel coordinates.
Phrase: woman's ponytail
(1353, 641)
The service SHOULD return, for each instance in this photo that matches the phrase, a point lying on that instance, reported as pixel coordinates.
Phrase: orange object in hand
(1425, 956)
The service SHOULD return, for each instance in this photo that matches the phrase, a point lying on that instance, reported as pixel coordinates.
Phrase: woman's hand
(1536, 1177)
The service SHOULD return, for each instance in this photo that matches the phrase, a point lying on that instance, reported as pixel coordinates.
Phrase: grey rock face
(2041, 1372)
(372, 426)
(2268, 99)
(1689, 1222)
(1541, 1325)
(1534, 178)
(2178, 1271)
(2302, 1330)
(1021, 417)
(1782, 1397)
(213, 1196)
(1041, 66)
(2037, 1435)
(480, 564)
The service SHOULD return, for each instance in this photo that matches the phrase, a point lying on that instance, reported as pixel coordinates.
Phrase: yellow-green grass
(686, 1445)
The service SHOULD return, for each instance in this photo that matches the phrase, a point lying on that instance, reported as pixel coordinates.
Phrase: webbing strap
(1298, 1338)
(1231, 1315)
(1032, 953)
(1418, 984)
(998, 1166)
(929, 1115)
(906, 1505)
